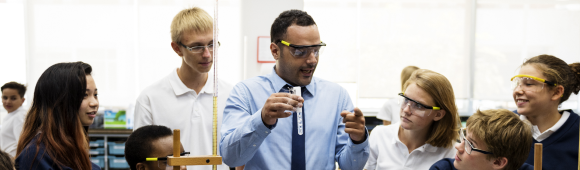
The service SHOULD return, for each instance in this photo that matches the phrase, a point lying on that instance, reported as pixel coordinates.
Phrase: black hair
(285, 20)
(21, 88)
(138, 146)
(5, 161)
(58, 95)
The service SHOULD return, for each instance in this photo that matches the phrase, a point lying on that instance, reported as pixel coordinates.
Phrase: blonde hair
(191, 19)
(445, 131)
(504, 134)
(406, 73)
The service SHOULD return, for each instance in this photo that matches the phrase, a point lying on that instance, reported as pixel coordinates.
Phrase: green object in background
(115, 120)
(119, 114)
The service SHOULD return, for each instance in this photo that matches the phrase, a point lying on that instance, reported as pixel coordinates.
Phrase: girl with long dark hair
(55, 130)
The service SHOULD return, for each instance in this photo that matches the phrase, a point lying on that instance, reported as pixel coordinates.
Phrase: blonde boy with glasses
(493, 140)
(184, 98)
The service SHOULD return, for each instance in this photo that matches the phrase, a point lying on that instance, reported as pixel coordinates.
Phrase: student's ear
(175, 47)
(275, 50)
(439, 114)
(23, 99)
(140, 166)
(500, 163)
(558, 92)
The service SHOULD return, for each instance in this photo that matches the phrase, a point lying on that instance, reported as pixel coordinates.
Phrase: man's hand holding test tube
(278, 105)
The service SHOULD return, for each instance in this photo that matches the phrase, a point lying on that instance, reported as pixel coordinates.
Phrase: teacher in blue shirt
(265, 127)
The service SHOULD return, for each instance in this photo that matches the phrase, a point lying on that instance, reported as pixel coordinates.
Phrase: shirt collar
(424, 148)
(556, 126)
(278, 82)
(179, 88)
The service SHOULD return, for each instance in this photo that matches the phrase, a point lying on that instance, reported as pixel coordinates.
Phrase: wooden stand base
(194, 160)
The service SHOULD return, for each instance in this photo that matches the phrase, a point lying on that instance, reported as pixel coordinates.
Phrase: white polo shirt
(11, 129)
(388, 152)
(390, 111)
(170, 103)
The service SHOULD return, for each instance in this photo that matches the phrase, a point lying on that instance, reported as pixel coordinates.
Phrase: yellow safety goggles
(416, 107)
(162, 161)
(303, 51)
(529, 83)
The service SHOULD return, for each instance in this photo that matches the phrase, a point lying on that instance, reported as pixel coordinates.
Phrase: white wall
(257, 19)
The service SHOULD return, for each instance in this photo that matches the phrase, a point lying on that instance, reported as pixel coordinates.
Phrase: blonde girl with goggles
(427, 130)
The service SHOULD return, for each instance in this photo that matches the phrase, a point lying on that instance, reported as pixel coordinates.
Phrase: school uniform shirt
(390, 111)
(447, 164)
(11, 129)
(560, 144)
(170, 103)
(388, 152)
(540, 136)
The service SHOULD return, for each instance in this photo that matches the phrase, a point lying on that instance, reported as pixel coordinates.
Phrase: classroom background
(477, 44)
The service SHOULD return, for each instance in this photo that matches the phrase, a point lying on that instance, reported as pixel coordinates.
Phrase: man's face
(11, 100)
(197, 62)
(162, 147)
(297, 71)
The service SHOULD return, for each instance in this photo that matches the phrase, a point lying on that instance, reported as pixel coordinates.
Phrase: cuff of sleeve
(360, 146)
(261, 129)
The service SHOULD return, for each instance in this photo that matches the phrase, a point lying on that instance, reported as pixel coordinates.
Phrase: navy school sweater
(29, 159)
(560, 150)
(447, 164)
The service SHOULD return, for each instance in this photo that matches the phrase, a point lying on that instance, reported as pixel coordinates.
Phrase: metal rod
(215, 78)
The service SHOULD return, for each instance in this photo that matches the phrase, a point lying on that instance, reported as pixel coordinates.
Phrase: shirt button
(254, 145)
(266, 131)
(355, 160)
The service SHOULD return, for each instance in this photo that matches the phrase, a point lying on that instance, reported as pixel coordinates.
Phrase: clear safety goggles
(161, 162)
(529, 83)
(468, 146)
(303, 51)
(415, 107)
(199, 49)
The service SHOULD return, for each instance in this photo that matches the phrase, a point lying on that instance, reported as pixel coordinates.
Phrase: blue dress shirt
(247, 141)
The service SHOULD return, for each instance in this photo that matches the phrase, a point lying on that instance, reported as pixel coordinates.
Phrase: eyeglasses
(303, 51)
(199, 49)
(162, 161)
(529, 83)
(469, 149)
(415, 107)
